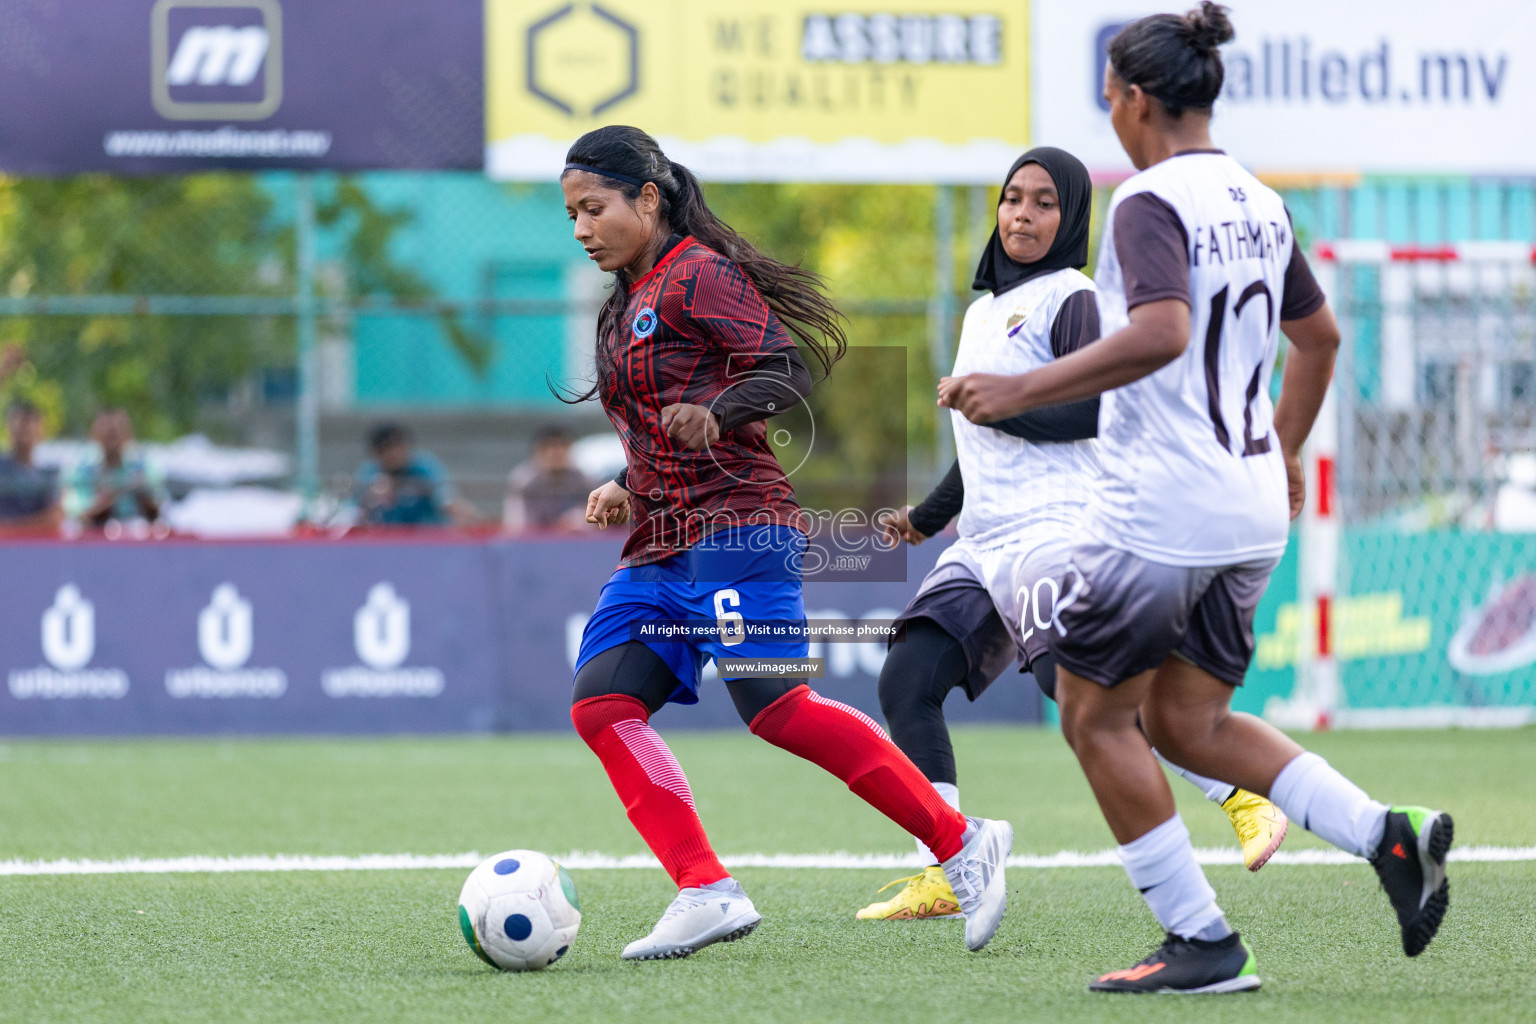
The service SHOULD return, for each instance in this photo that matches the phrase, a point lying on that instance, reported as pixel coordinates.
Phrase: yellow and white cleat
(1259, 824)
(924, 897)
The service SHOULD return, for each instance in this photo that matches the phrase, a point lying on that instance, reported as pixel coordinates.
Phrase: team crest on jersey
(645, 323)
(1016, 321)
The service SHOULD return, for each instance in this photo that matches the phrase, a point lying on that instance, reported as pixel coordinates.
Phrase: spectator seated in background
(29, 496)
(115, 484)
(400, 486)
(547, 490)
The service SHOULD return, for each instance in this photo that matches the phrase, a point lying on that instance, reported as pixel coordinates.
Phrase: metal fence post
(942, 315)
(308, 403)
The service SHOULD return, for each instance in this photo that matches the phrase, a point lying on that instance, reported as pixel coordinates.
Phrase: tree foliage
(875, 245)
(192, 235)
(94, 235)
(366, 232)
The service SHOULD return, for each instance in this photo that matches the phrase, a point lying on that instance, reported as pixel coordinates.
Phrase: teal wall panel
(471, 239)
(1520, 214)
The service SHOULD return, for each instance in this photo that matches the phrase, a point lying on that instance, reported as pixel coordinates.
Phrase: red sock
(848, 743)
(652, 785)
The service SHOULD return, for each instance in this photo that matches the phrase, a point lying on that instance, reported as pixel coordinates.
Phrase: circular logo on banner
(645, 323)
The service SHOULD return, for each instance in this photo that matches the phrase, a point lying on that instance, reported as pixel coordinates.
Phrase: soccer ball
(519, 911)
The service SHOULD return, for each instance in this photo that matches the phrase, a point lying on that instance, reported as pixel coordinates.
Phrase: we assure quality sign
(751, 89)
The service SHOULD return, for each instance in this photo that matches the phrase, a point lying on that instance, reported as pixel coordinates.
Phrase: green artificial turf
(384, 946)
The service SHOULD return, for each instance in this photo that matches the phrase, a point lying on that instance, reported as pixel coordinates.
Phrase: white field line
(586, 861)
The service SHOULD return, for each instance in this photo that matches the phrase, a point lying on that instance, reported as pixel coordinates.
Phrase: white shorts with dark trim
(1120, 615)
(996, 599)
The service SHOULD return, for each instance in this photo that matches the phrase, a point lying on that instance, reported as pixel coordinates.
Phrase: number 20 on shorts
(1026, 630)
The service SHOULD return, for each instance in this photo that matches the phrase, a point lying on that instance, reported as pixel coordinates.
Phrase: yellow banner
(843, 90)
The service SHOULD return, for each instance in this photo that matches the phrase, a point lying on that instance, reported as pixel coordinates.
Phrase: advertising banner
(163, 86)
(435, 635)
(1384, 86)
(454, 634)
(550, 588)
(753, 90)
(195, 638)
(1427, 623)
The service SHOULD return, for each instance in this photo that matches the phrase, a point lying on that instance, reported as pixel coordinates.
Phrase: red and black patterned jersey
(692, 328)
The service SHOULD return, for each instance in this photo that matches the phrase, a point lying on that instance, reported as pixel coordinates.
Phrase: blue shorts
(751, 571)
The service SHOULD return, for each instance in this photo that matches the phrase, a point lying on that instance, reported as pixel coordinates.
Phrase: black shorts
(962, 608)
(1121, 615)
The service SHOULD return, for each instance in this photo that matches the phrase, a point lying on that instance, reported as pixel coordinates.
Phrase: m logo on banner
(381, 629)
(69, 630)
(225, 630)
(218, 55)
(216, 60)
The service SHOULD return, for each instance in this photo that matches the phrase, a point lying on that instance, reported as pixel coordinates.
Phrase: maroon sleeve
(1300, 294)
(1153, 248)
(730, 311)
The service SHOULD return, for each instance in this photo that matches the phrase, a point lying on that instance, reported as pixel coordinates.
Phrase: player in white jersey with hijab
(1020, 487)
(1197, 274)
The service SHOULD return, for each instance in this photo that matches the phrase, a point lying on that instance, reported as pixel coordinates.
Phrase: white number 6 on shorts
(733, 629)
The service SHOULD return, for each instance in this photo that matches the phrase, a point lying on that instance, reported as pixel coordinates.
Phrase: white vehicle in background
(219, 491)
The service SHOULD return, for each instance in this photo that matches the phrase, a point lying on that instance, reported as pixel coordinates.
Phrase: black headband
(615, 175)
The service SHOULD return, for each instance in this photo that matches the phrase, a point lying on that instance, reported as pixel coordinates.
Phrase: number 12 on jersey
(1214, 332)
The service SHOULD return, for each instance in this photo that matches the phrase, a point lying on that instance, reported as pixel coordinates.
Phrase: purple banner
(163, 86)
(195, 638)
(361, 636)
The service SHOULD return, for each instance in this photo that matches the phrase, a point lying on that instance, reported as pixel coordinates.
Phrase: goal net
(1415, 572)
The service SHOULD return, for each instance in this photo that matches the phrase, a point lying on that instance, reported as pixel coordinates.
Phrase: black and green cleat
(1411, 865)
(1188, 967)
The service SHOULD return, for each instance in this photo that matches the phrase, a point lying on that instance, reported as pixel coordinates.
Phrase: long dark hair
(1175, 58)
(795, 295)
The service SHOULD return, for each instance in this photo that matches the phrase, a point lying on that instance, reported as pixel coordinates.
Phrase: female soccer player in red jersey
(694, 352)
(1198, 273)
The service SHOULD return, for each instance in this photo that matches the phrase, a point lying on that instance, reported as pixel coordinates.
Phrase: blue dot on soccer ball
(518, 927)
(561, 952)
(506, 867)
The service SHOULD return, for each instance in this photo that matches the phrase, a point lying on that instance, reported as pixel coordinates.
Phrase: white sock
(951, 794)
(1162, 865)
(1312, 792)
(1216, 792)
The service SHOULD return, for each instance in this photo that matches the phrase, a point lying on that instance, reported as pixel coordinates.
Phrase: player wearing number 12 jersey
(1198, 274)
(1021, 487)
(693, 354)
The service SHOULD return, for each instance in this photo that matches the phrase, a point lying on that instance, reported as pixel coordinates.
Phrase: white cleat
(976, 875)
(698, 918)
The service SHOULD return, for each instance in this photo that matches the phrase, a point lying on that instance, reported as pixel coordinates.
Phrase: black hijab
(997, 272)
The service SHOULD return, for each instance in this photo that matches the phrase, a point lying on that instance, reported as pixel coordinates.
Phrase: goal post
(1416, 568)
